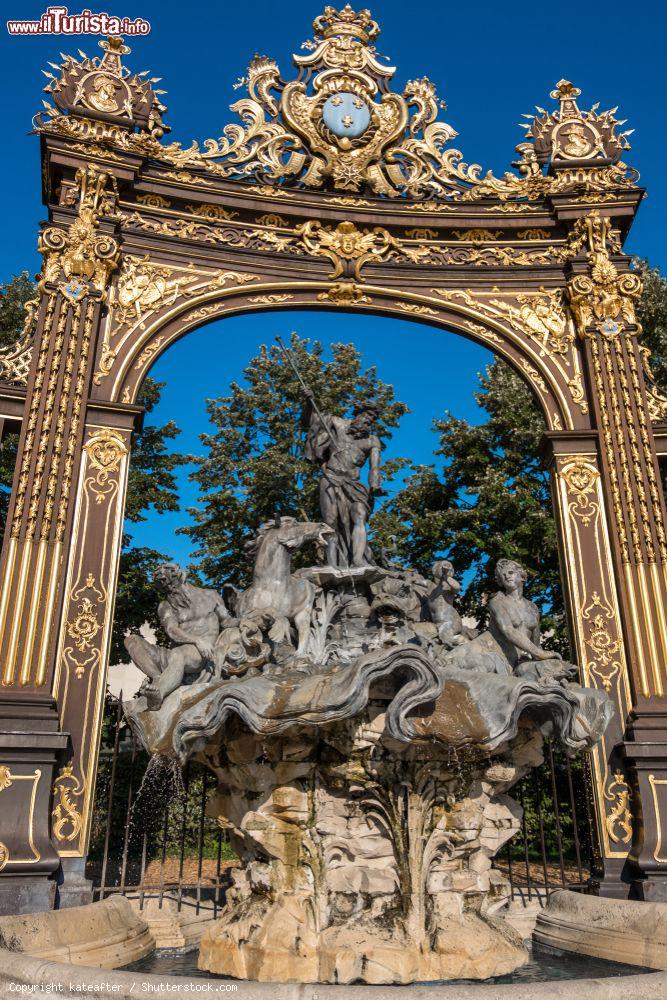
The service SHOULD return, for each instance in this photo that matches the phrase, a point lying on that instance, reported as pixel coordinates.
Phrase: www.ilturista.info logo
(59, 21)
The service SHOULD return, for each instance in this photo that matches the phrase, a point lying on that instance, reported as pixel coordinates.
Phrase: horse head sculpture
(273, 587)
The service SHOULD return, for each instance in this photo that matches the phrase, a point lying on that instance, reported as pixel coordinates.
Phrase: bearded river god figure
(363, 742)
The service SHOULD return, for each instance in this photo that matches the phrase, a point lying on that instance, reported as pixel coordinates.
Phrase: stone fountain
(363, 740)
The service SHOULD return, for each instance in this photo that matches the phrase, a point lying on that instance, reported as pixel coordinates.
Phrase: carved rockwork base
(365, 859)
(283, 945)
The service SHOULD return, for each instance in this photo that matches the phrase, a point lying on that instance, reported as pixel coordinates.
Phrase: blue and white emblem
(346, 115)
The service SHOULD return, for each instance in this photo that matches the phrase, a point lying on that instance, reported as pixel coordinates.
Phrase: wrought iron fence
(147, 841)
(152, 844)
(557, 846)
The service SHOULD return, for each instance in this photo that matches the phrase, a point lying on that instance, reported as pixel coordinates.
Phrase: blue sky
(491, 62)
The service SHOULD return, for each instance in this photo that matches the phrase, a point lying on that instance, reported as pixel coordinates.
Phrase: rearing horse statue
(273, 587)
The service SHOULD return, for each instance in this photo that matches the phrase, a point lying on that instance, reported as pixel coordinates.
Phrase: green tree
(652, 314)
(13, 296)
(254, 464)
(151, 486)
(490, 497)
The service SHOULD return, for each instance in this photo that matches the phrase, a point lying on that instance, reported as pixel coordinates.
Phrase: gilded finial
(564, 90)
(114, 43)
(358, 24)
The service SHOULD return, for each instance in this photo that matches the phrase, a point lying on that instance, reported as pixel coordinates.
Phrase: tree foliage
(151, 486)
(652, 314)
(254, 465)
(490, 499)
(13, 296)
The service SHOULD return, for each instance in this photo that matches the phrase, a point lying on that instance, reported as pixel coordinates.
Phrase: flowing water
(161, 784)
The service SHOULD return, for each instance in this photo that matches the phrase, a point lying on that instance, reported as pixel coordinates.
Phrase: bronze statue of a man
(342, 446)
(192, 617)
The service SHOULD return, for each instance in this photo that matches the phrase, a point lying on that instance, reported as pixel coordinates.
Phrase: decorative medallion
(347, 116)
(570, 134)
(106, 89)
(105, 450)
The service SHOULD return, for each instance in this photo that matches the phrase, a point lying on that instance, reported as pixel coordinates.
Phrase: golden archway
(295, 207)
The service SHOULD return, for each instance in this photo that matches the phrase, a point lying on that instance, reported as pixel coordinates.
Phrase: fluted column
(602, 297)
(78, 262)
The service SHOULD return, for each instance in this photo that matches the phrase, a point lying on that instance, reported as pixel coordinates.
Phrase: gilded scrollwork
(657, 402)
(618, 820)
(533, 234)
(581, 478)
(482, 331)
(477, 235)
(82, 258)
(212, 212)
(346, 245)
(151, 200)
(416, 309)
(15, 360)
(105, 449)
(344, 293)
(144, 286)
(479, 255)
(419, 247)
(340, 125)
(602, 639)
(149, 352)
(534, 376)
(143, 289)
(604, 294)
(270, 298)
(544, 316)
(84, 627)
(273, 220)
(66, 814)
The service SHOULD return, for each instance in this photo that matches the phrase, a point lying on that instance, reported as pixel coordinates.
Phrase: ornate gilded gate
(332, 191)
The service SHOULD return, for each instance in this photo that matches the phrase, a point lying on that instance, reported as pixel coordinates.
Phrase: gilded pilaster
(595, 619)
(85, 627)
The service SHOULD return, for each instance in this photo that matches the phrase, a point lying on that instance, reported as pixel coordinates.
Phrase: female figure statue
(514, 622)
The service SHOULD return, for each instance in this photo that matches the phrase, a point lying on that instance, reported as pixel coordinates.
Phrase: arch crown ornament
(338, 125)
